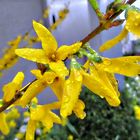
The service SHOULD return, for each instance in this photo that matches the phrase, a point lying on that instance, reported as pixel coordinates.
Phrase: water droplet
(107, 62)
(67, 99)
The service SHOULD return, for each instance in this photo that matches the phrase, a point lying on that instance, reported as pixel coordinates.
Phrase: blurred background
(102, 122)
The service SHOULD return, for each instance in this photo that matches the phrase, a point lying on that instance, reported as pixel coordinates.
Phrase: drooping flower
(43, 114)
(127, 65)
(137, 112)
(101, 86)
(50, 54)
(11, 88)
(71, 91)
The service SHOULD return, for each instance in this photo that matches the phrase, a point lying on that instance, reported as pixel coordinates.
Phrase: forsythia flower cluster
(97, 74)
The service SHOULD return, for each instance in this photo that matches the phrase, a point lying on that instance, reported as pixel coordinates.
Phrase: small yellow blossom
(50, 54)
(42, 114)
(133, 21)
(137, 112)
(71, 92)
(11, 88)
(3, 124)
(10, 58)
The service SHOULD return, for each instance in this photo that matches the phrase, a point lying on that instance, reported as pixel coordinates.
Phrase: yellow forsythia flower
(3, 124)
(133, 21)
(137, 112)
(42, 114)
(10, 58)
(71, 92)
(97, 86)
(50, 54)
(11, 88)
(127, 65)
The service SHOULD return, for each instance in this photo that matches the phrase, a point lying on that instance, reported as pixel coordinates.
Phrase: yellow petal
(15, 43)
(55, 105)
(110, 43)
(18, 79)
(79, 109)
(59, 68)
(71, 92)
(37, 73)
(47, 122)
(49, 77)
(49, 43)
(55, 118)
(33, 90)
(38, 113)
(30, 132)
(98, 87)
(106, 78)
(57, 87)
(119, 66)
(64, 51)
(3, 124)
(35, 55)
(9, 91)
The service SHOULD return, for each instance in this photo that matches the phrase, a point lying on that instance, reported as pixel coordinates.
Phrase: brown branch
(96, 31)
(102, 27)
(17, 96)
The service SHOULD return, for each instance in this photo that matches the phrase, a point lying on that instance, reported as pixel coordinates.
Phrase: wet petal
(71, 92)
(59, 68)
(98, 87)
(37, 73)
(79, 109)
(35, 55)
(133, 24)
(30, 132)
(119, 66)
(33, 90)
(18, 79)
(49, 44)
(110, 43)
(57, 87)
(64, 51)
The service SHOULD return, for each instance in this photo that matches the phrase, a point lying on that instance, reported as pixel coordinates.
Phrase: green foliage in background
(104, 122)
